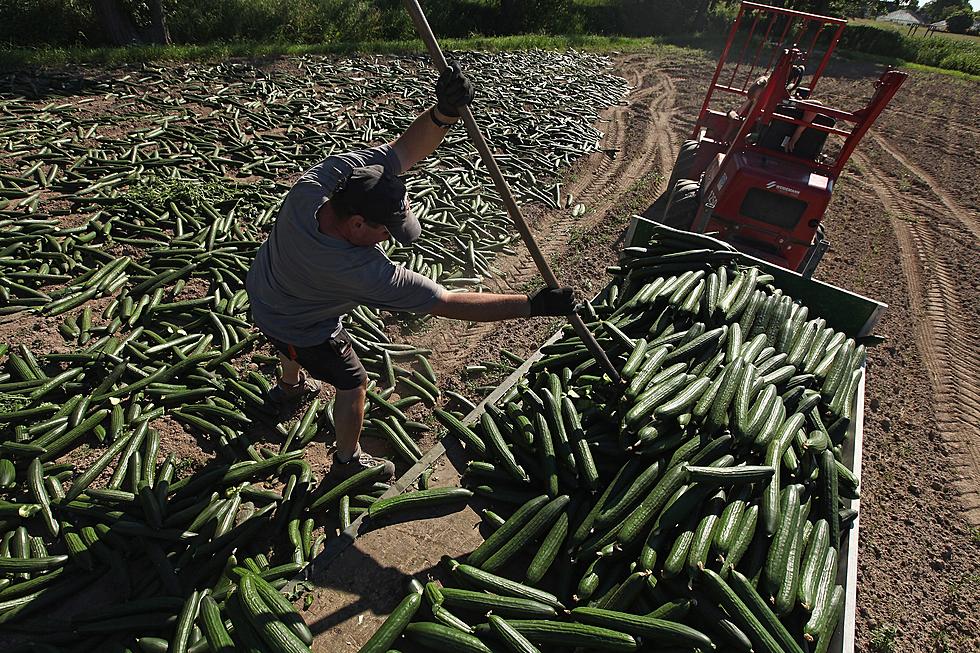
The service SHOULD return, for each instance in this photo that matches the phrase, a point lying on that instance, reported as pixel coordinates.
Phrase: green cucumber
(744, 535)
(276, 635)
(626, 500)
(500, 585)
(635, 359)
(697, 555)
(746, 591)
(499, 537)
(513, 640)
(784, 537)
(283, 610)
(729, 520)
(828, 494)
(652, 630)
(587, 471)
(437, 637)
(546, 453)
(543, 519)
(394, 625)
(651, 365)
(185, 623)
(813, 563)
(652, 504)
(499, 448)
(762, 639)
(829, 621)
(730, 475)
(718, 414)
(684, 399)
(482, 602)
(420, 499)
(219, 641)
(548, 550)
(571, 634)
(825, 591)
(653, 397)
(332, 495)
(461, 431)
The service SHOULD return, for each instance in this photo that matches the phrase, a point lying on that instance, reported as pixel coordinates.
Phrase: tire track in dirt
(946, 342)
(969, 220)
(637, 141)
(956, 127)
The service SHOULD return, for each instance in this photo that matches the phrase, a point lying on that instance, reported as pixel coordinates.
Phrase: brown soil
(187, 450)
(905, 227)
(37, 333)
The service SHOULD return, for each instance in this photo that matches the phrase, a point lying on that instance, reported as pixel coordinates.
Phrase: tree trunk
(512, 13)
(701, 16)
(158, 25)
(118, 25)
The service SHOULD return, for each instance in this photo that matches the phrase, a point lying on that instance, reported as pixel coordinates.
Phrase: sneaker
(360, 461)
(283, 393)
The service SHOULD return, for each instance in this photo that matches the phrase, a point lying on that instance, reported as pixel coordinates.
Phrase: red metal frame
(771, 15)
(733, 161)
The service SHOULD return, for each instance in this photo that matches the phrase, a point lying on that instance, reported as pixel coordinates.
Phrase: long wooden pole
(473, 129)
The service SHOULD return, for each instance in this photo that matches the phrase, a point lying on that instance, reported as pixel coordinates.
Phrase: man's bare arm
(421, 138)
(481, 307)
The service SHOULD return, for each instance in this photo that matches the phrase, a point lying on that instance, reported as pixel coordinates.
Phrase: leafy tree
(855, 8)
(959, 22)
(133, 21)
(526, 16)
(39, 22)
(940, 9)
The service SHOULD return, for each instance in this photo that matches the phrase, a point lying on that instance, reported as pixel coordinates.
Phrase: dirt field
(904, 227)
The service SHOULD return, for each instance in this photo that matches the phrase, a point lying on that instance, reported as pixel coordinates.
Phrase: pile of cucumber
(130, 231)
(700, 506)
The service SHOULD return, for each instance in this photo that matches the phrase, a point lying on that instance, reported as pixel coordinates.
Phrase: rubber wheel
(684, 163)
(683, 205)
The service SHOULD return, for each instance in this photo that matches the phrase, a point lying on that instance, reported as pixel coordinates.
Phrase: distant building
(902, 17)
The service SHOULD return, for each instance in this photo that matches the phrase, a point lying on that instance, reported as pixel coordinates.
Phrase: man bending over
(322, 259)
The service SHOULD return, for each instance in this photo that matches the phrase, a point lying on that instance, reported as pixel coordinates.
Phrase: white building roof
(903, 16)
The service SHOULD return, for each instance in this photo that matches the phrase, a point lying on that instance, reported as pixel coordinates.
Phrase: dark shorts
(333, 361)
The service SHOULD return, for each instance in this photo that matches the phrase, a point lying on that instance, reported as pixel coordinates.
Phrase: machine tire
(684, 163)
(683, 204)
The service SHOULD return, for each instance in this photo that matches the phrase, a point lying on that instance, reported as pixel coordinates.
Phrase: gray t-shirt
(302, 281)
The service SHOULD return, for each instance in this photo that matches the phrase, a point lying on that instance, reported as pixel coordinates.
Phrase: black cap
(381, 198)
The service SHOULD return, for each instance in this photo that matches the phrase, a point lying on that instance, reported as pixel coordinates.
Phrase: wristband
(437, 122)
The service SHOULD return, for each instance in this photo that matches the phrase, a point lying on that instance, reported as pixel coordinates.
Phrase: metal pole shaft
(476, 136)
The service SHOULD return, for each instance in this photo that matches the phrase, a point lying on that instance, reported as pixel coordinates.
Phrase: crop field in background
(973, 38)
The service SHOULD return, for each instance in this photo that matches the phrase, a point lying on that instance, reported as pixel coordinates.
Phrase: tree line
(92, 23)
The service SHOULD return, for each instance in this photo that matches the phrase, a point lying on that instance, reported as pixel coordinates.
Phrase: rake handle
(476, 136)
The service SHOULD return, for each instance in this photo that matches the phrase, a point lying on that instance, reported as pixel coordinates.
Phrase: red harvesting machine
(760, 176)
